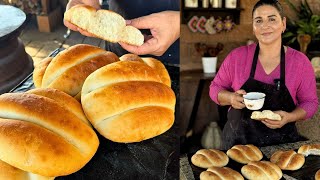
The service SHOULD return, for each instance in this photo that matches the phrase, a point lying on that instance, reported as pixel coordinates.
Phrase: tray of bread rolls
(248, 162)
(116, 151)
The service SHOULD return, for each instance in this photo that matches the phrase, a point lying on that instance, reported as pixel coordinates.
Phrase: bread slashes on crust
(104, 24)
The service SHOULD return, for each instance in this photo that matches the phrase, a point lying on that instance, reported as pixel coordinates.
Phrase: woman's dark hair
(273, 3)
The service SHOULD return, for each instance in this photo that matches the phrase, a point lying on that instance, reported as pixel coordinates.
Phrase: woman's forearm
(297, 115)
(224, 97)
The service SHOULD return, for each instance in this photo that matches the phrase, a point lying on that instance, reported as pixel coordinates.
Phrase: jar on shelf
(232, 4)
(216, 3)
(191, 3)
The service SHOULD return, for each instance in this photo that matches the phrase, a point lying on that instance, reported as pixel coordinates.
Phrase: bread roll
(8, 172)
(206, 158)
(265, 114)
(317, 175)
(127, 101)
(40, 135)
(245, 153)
(262, 170)
(104, 24)
(287, 160)
(68, 70)
(220, 173)
(310, 149)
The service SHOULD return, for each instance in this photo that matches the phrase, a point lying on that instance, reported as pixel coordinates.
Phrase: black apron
(130, 9)
(241, 129)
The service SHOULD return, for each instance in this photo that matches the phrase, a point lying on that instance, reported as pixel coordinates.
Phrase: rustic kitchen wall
(190, 59)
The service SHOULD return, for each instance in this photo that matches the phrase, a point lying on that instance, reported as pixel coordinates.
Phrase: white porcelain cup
(209, 64)
(254, 100)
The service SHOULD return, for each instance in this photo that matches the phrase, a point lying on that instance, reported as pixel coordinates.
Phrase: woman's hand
(165, 30)
(285, 118)
(236, 99)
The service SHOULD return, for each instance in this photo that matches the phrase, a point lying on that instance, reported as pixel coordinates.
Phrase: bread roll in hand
(104, 24)
(265, 114)
(220, 173)
(206, 158)
(45, 132)
(129, 101)
(310, 149)
(288, 160)
(263, 170)
(245, 153)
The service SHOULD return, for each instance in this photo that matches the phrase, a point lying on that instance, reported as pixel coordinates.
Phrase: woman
(285, 75)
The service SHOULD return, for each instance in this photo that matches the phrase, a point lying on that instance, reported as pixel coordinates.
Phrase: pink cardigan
(300, 78)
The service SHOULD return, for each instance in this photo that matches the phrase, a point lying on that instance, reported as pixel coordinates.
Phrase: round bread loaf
(309, 149)
(206, 158)
(317, 175)
(261, 170)
(245, 153)
(288, 160)
(220, 173)
(68, 70)
(127, 101)
(8, 172)
(45, 132)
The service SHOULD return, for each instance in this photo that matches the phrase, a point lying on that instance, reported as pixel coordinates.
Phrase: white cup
(254, 100)
(209, 64)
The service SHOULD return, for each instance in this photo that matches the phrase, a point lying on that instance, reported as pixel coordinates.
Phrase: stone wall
(190, 59)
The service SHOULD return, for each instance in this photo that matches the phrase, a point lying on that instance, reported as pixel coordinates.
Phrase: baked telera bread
(265, 114)
(261, 170)
(220, 173)
(129, 101)
(45, 132)
(104, 24)
(206, 158)
(310, 149)
(8, 172)
(288, 160)
(69, 69)
(317, 175)
(245, 153)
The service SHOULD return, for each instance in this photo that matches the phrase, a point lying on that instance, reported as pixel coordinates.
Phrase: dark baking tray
(156, 158)
(306, 172)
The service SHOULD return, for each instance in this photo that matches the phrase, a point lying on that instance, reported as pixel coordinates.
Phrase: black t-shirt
(130, 9)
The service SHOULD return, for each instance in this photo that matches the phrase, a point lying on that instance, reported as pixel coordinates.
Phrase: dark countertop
(186, 169)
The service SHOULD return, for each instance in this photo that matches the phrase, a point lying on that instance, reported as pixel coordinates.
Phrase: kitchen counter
(186, 169)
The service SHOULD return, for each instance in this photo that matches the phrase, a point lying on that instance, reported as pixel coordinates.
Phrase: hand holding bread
(104, 24)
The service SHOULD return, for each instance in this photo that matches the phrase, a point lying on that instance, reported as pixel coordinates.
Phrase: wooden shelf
(187, 13)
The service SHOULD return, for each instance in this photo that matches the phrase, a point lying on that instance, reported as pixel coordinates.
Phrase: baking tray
(156, 158)
(306, 172)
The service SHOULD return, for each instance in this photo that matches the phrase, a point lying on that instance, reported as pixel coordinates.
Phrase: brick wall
(189, 59)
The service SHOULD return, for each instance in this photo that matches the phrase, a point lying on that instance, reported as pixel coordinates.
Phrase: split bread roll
(245, 153)
(69, 69)
(8, 172)
(206, 158)
(288, 160)
(262, 170)
(317, 175)
(129, 101)
(104, 24)
(310, 149)
(220, 173)
(45, 132)
(265, 114)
